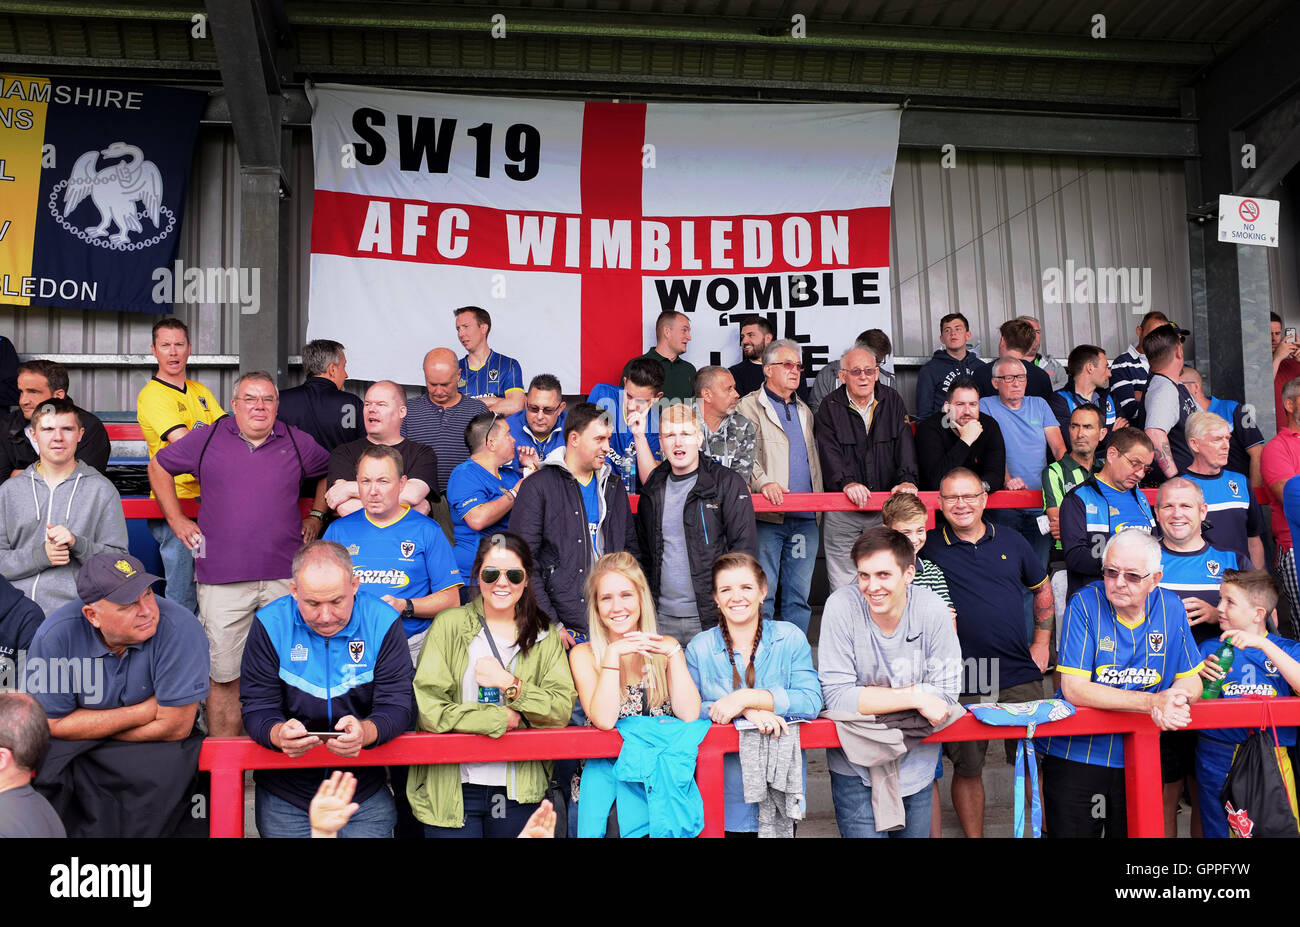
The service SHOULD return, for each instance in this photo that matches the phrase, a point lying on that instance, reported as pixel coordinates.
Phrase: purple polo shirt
(249, 514)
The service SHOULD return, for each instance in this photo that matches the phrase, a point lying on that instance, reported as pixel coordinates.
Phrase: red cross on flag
(575, 224)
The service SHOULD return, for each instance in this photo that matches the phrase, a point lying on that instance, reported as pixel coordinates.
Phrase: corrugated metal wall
(975, 238)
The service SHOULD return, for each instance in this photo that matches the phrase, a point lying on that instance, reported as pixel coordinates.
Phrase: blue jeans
(488, 813)
(278, 818)
(854, 817)
(178, 566)
(788, 553)
(1025, 522)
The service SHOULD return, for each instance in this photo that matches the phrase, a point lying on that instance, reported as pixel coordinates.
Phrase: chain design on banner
(108, 242)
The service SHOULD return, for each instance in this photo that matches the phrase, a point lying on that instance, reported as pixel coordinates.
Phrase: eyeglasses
(542, 410)
(490, 575)
(1130, 576)
(1014, 377)
(257, 400)
(788, 365)
(968, 499)
(1136, 465)
(862, 371)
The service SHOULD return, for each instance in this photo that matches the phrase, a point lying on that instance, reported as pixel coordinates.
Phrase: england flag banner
(575, 224)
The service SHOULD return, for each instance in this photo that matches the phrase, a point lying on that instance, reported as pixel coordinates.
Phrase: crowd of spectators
(471, 562)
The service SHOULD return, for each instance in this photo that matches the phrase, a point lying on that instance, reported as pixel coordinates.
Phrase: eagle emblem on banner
(115, 190)
(1156, 641)
(1213, 567)
(356, 650)
(408, 548)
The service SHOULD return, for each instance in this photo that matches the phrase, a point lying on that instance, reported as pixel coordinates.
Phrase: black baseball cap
(1171, 326)
(118, 577)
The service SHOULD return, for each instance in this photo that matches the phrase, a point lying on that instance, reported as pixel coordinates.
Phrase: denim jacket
(783, 666)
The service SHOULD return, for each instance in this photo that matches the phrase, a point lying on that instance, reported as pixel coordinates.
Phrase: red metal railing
(134, 507)
(227, 758)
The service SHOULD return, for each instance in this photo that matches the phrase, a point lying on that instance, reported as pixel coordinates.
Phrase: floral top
(632, 703)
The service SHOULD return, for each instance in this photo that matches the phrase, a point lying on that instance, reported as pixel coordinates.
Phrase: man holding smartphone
(324, 665)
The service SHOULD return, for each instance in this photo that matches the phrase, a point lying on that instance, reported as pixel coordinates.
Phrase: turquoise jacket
(653, 780)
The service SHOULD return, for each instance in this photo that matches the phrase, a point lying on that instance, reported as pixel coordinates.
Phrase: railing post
(1144, 790)
(226, 807)
(708, 776)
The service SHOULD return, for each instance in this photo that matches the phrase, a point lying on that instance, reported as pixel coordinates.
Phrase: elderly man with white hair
(1234, 520)
(1126, 647)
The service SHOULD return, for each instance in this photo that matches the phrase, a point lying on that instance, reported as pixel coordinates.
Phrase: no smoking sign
(1248, 221)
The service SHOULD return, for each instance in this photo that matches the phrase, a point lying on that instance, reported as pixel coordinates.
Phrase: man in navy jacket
(325, 637)
(570, 512)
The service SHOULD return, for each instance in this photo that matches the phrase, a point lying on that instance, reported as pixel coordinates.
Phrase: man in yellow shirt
(168, 408)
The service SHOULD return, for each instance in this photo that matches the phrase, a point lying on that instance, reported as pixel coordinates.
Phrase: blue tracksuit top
(290, 671)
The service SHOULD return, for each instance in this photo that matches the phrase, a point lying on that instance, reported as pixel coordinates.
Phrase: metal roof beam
(1048, 133)
(757, 31)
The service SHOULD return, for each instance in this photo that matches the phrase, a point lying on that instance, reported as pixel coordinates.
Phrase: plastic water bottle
(1224, 655)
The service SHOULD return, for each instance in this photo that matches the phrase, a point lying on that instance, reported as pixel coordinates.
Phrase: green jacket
(545, 700)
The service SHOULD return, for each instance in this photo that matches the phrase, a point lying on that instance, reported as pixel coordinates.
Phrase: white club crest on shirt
(298, 654)
(408, 548)
(1213, 567)
(356, 650)
(1156, 641)
(1235, 487)
(354, 549)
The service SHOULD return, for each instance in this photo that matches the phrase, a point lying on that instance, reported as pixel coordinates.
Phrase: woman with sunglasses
(481, 491)
(746, 667)
(488, 667)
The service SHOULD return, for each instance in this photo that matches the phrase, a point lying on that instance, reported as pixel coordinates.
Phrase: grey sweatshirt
(853, 652)
(86, 503)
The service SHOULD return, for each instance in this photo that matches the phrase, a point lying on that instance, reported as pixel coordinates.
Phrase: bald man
(438, 419)
(383, 413)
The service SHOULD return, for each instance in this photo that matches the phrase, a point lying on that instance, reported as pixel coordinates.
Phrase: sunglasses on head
(490, 575)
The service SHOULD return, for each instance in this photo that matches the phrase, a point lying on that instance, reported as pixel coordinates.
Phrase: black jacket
(8, 374)
(879, 460)
(330, 415)
(718, 519)
(939, 451)
(550, 517)
(17, 453)
(19, 619)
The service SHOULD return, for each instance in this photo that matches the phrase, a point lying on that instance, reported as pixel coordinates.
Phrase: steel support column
(1243, 88)
(247, 35)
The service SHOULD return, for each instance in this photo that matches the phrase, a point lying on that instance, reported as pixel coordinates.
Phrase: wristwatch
(409, 611)
(316, 513)
(512, 690)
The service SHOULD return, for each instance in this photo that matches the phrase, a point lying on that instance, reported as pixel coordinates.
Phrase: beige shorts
(226, 610)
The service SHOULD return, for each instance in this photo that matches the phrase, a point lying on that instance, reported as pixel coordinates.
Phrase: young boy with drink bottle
(1265, 664)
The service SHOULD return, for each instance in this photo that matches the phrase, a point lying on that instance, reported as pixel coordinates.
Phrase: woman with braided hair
(745, 666)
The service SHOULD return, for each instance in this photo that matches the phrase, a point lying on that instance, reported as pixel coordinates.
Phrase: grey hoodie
(86, 503)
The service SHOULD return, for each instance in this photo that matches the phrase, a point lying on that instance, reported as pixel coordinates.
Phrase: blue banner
(115, 167)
